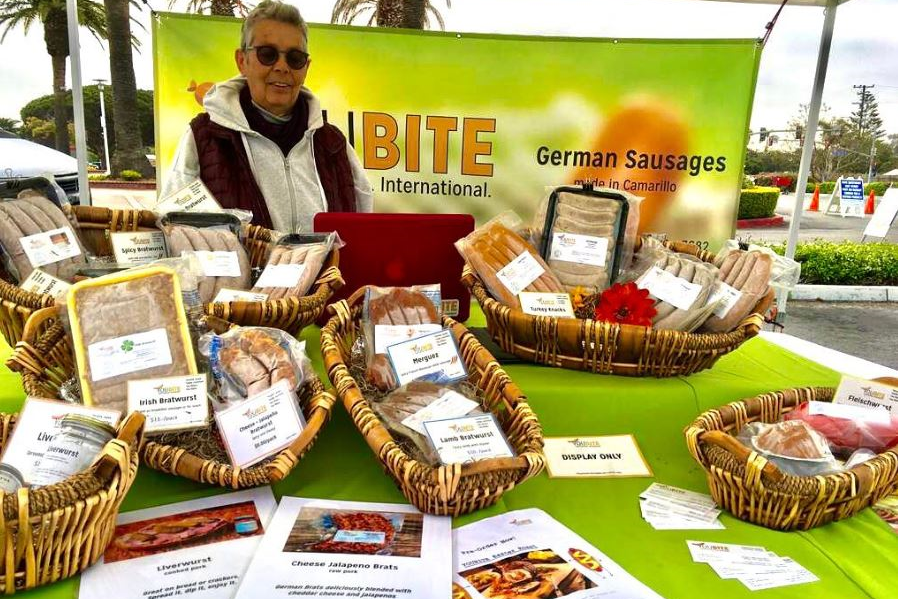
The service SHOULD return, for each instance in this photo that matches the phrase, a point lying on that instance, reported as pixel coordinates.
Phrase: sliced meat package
(392, 315)
(125, 326)
(583, 233)
(744, 280)
(35, 233)
(294, 264)
(214, 239)
(507, 264)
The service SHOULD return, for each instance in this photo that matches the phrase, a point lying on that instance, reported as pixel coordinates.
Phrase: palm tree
(227, 8)
(411, 14)
(52, 14)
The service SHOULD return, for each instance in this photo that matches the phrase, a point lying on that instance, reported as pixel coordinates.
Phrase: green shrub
(98, 177)
(879, 187)
(758, 202)
(747, 183)
(130, 175)
(827, 186)
(846, 263)
(764, 180)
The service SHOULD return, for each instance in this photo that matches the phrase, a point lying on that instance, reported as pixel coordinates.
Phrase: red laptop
(398, 250)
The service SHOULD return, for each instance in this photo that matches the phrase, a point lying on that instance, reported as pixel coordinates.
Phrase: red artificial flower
(626, 304)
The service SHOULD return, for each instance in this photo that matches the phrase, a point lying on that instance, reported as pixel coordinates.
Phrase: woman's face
(273, 87)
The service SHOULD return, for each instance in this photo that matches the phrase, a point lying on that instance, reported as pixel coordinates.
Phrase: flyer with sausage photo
(198, 548)
(342, 549)
(526, 553)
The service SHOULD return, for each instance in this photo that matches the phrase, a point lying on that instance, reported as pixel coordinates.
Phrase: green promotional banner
(447, 122)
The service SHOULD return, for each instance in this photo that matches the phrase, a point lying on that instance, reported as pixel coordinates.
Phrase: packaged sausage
(793, 446)
(784, 272)
(849, 428)
(507, 264)
(214, 238)
(294, 264)
(395, 314)
(124, 326)
(744, 280)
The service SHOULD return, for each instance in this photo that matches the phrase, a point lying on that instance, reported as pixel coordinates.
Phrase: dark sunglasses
(268, 55)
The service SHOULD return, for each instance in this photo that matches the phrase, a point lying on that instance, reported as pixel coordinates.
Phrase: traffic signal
(763, 134)
(799, 131)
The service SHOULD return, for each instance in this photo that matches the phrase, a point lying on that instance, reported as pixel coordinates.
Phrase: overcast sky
(865, 45)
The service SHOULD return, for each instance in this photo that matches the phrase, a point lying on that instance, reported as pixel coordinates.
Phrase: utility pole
(100, 83)
(861, 105)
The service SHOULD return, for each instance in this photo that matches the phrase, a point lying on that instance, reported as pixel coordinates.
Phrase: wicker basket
(55, 532)
(755, 490)
(607, 348)
(446, 490)
(44, 358)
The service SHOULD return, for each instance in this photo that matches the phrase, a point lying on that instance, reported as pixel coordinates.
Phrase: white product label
(612, 456)
(848, 412)
(449, 405)
(219, 263)
(193, 198)
(386, 335)
(43, 284)
(468, 439)
(360, 536)
(170, 404)
(868, 394)
(518, 274)
(727, 296)
(137, 247)
(281, 275)
(261, 426)
(546, 304)
(38, 424)
(50, 247)
(432, 358)
(669, 288)
(235, 295)
(129, 353)
(580, 249)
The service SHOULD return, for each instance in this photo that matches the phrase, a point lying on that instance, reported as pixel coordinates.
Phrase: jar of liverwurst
(78, 443)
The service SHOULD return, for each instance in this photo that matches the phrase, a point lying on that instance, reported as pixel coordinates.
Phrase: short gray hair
(273, 10)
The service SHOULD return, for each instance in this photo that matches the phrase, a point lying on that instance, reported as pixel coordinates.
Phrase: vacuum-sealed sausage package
(507, 264)
(392, 315)
(744, 280)
(214, 238)
(294, 264)
(36, 233)
(849, 428)
(126, 326)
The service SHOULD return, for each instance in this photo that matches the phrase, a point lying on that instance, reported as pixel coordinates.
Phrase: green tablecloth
(854, 558)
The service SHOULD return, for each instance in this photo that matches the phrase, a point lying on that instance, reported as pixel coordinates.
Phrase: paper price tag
(130, 353)
(195, 197)
(235, 295)
(450, 405)
(43, 284)
(580, 249)
(386, 335)
(866, 394)
(612, 456)
(281, 275)
(520, 272)
(219, 263)
(433, 357)
(727, 296)
(468, 439)
(260, 426)
(669, 288)
(546, 304)
(50, 247)
(137, 247)
(848, 412)
(171, 403)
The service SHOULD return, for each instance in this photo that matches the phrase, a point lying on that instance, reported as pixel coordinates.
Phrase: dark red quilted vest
(225, 169)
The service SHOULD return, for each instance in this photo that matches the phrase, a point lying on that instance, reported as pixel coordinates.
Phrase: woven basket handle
(129, 434)
(38, 323)
(740, 452)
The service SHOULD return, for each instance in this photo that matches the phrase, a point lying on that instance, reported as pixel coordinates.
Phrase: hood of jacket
(222, 102)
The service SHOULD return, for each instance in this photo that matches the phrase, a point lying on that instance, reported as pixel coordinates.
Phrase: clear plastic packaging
(505, 262)
(745, 277)
(845, 435)
(793, 446)
(391, 315)
(294, 263)
(785, 272)
(245, 361)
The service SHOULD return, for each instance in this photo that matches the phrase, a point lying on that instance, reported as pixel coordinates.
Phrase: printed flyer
(526, 554)
(324, 548)
(196, 548)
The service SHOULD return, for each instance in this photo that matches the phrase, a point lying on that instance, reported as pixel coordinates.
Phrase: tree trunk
(129, 153)
(389, 13)
(414, 14)
(56, 37)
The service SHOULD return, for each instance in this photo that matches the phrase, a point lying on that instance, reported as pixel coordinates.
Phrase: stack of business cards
(753, 566)
(671, 508)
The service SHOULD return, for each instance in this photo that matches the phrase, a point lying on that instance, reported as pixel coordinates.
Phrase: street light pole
(100, 83)
(872, 157)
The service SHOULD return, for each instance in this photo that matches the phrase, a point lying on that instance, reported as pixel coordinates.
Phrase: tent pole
(807, 148)
(78, 101)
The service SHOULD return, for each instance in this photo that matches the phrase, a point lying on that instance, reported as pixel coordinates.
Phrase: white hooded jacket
(289, 184)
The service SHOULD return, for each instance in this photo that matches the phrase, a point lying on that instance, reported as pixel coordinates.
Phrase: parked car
(20, 158)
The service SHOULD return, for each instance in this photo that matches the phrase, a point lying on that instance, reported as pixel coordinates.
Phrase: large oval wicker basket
(753, 489)
(45, 360)
(581, 344)
(55, 532)
(450, 489)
